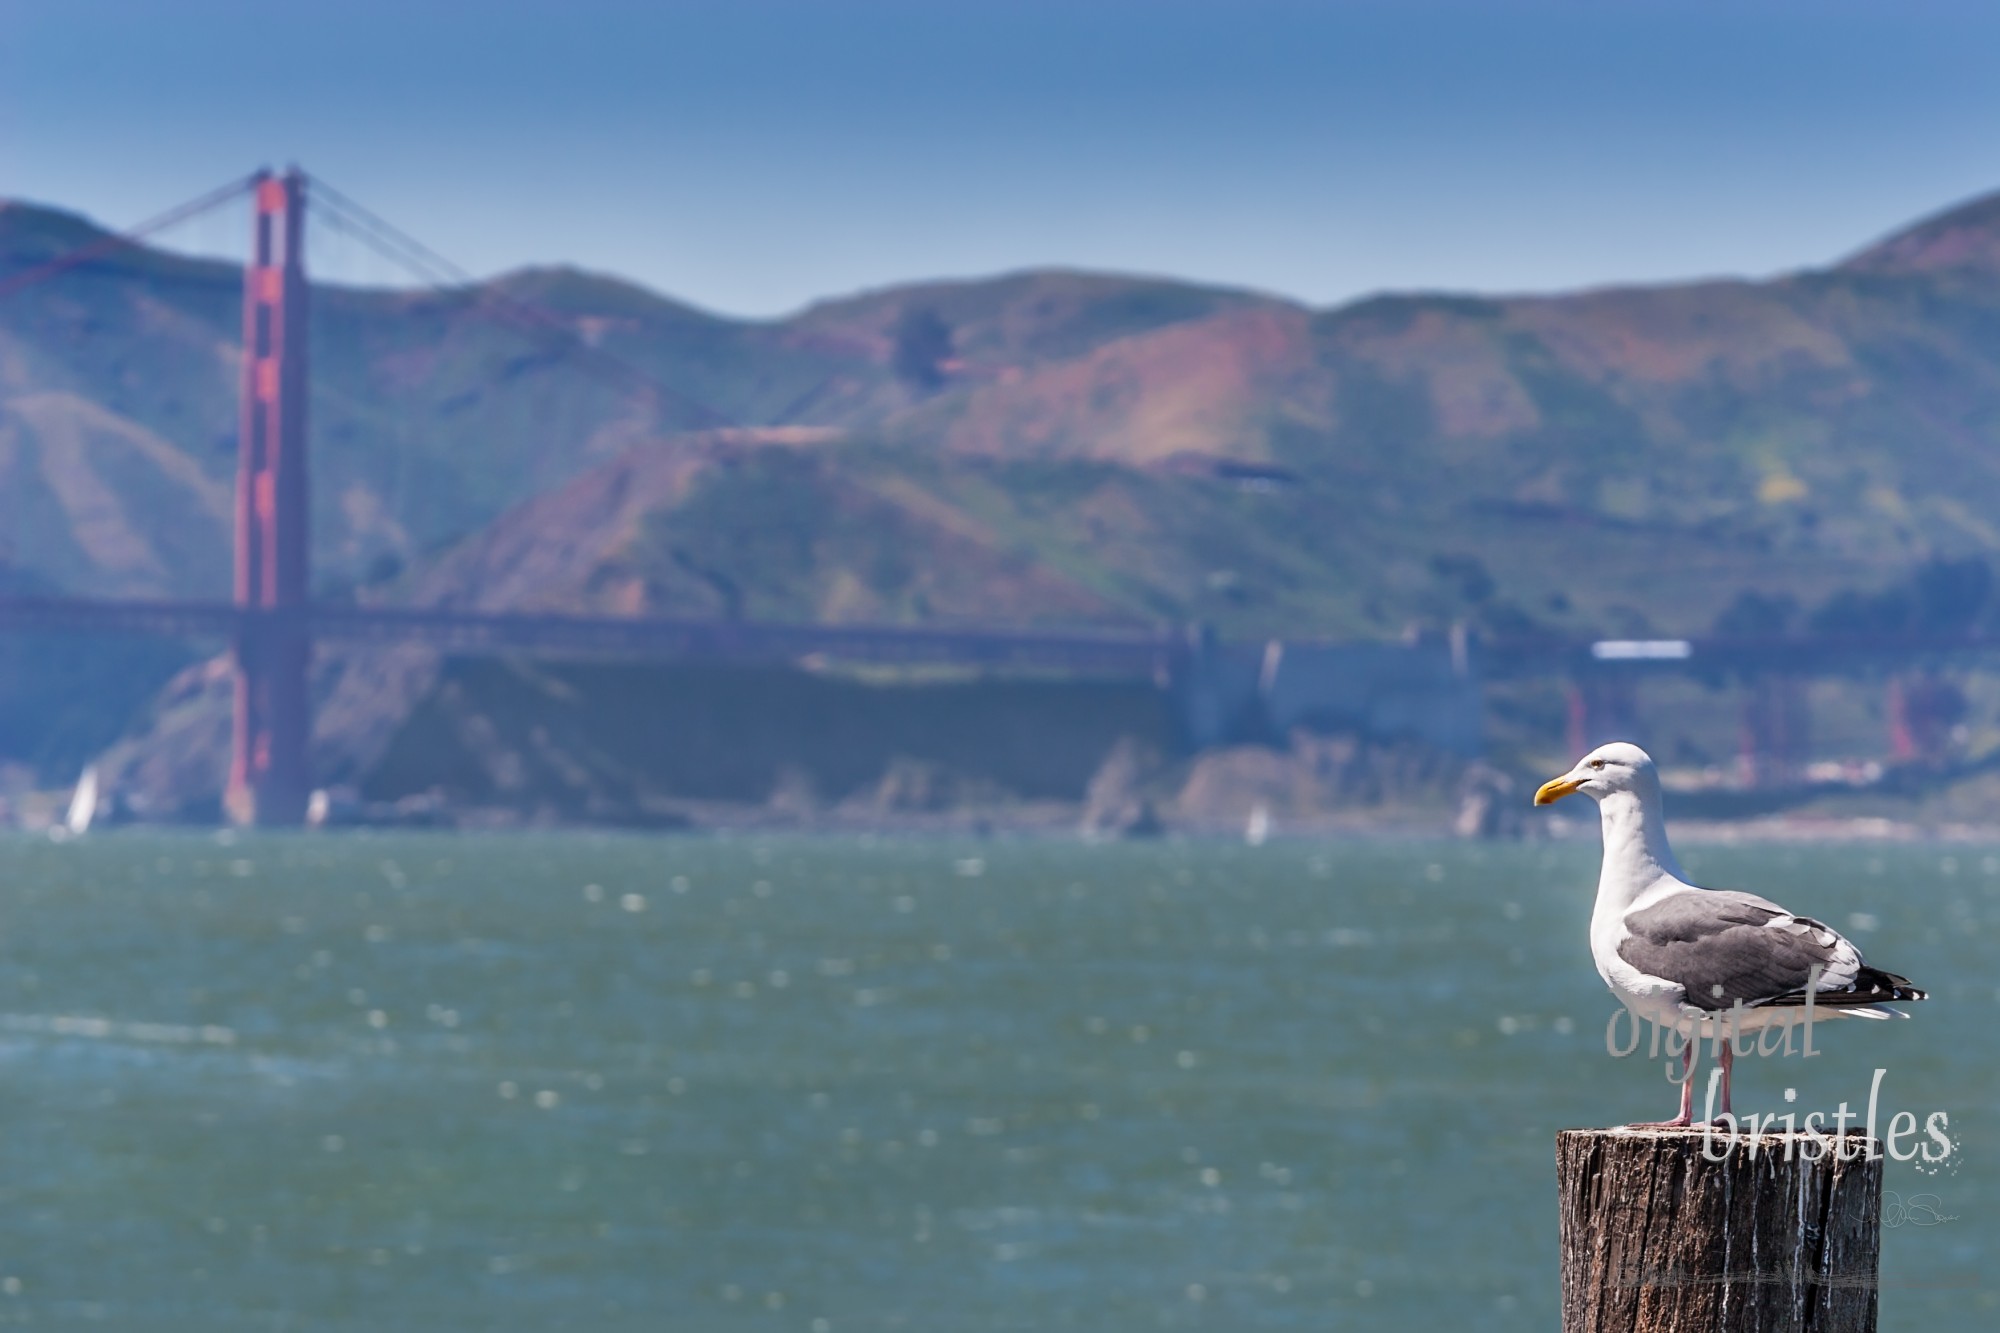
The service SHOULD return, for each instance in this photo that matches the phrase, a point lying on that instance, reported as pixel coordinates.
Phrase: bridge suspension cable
(441, 274)
(83, 254)
(15, 283)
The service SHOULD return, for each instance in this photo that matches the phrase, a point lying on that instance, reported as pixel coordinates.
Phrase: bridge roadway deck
(1126, 653)
(1109, 653)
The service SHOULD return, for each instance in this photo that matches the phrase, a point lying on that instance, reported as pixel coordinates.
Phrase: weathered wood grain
(1657, 1239)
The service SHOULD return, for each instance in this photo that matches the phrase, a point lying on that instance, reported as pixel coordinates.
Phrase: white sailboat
(82, 802)
(1259, 827)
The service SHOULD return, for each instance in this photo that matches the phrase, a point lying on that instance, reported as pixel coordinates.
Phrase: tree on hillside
(1951, 595)
(1756, 613)
(1465, 574)
(1938, 597)
(923, 345)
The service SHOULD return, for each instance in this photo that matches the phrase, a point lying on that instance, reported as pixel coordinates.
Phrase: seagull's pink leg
(1728, 1061)
(1686, 1117)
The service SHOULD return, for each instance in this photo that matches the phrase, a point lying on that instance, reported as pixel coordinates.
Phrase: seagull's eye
(1597, 763)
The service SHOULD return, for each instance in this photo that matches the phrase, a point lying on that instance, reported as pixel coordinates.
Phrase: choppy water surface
(440, 1082)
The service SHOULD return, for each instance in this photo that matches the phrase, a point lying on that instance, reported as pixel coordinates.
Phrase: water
(454, 1082)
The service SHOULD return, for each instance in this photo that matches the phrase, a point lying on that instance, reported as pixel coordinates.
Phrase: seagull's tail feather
(1872, 989)
(1886, 985)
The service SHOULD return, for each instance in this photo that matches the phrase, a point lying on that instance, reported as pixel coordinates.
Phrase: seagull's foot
(1681, 1122)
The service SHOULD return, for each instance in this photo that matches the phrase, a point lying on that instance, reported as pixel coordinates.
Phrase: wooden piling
(1658, 1238)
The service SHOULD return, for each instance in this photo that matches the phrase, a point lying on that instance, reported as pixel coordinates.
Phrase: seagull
(1684, 957)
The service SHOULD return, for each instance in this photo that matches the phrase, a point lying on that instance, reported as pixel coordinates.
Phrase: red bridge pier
(1776, 731)
(1924, 709)
(268, 775)
(1601, 707)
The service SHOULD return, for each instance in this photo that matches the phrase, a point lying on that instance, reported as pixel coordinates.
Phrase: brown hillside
(1964, 238)
(1045, 447)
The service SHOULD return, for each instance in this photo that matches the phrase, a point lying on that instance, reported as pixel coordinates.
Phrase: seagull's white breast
(1652, 999)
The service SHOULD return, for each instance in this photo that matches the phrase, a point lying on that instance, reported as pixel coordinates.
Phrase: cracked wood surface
(1658, 1239)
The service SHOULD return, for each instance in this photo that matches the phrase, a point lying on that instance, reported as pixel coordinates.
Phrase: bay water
(575, 1081)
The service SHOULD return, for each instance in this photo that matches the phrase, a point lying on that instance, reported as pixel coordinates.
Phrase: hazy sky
(752, 155)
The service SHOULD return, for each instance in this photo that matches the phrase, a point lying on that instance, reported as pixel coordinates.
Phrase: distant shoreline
(1060, 822)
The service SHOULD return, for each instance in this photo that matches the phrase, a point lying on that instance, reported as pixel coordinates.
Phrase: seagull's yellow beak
(1556, 788)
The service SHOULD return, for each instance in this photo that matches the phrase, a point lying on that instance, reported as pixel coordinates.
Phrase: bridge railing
(1135, 653)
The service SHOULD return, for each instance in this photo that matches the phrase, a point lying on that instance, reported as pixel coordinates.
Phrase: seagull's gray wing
(1721, 946)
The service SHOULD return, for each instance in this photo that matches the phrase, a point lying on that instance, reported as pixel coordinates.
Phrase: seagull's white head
(1619, 766)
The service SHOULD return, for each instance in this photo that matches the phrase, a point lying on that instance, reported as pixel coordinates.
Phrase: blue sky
(753, 155)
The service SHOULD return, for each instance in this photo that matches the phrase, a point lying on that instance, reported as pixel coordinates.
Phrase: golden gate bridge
(272, 621)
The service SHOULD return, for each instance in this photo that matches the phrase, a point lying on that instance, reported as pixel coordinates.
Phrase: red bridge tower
(268, 775)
